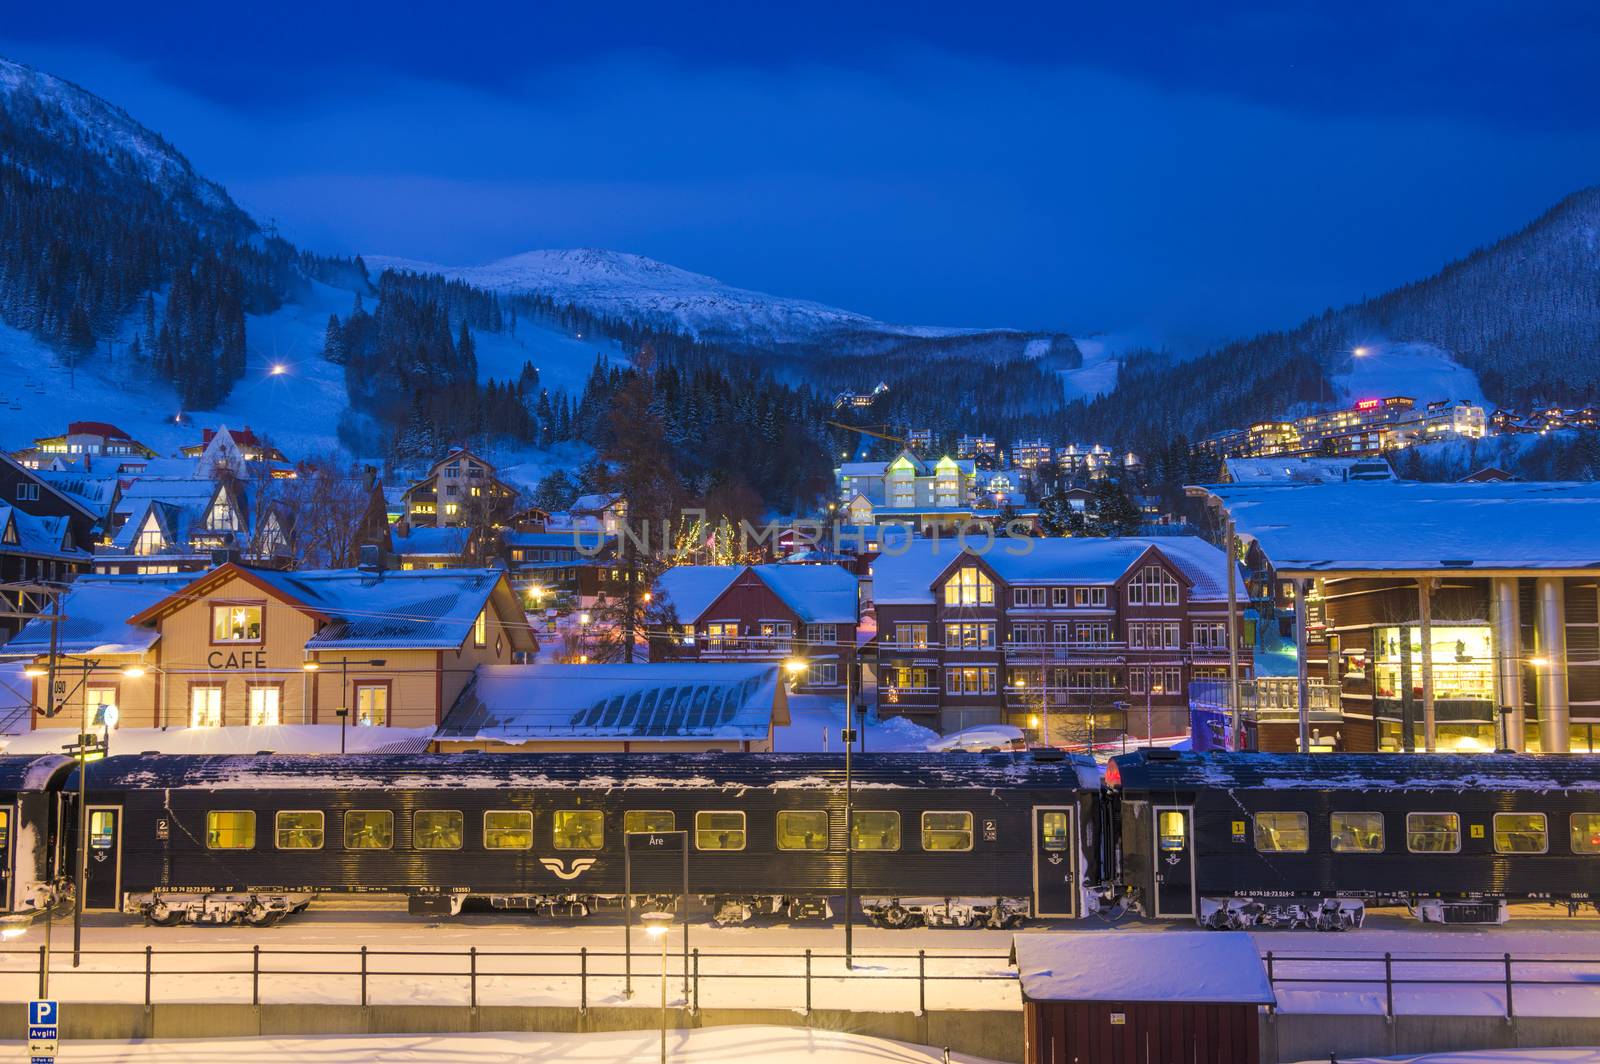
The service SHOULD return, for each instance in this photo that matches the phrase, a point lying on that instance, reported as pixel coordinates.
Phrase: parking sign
(44, 1024)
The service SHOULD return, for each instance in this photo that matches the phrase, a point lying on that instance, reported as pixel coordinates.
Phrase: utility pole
(1235, 711)
(849, 831)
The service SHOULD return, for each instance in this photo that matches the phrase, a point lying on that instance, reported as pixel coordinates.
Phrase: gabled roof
(691, 589)
(661, 702)
(908, 577)
(426, 609)
(818, 594)
(33, 477)
(38, 535)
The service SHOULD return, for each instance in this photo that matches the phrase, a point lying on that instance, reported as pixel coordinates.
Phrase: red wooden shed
(1156, 997)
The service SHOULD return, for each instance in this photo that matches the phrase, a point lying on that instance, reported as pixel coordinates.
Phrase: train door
(1055, 862)
(1174, 860)
(8, 817)
(102, 887)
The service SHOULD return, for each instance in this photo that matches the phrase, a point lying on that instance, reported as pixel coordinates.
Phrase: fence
(1504, 978)
(472, 976)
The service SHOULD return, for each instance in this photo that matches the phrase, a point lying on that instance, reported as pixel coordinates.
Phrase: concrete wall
(996, 1035)
(1288, 1037)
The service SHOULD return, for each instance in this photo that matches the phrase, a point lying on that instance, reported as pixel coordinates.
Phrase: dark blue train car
(31, 878)
(1242, 840)
(954, 839)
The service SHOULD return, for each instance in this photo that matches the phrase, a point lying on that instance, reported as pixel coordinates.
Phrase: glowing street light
(656, 925)
(278, 369)
(1361, 352)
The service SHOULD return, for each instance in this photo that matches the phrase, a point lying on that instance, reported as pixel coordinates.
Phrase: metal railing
(1268, 698)
(360, 974)
(1501, 974)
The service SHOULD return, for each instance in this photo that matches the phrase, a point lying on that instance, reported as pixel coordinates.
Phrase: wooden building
(243, 646)
(1131, 998)
(460, 489)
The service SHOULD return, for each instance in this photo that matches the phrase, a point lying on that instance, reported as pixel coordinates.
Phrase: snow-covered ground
(722, 1045)
(314, 958)
(817, 720)
(1422, 371)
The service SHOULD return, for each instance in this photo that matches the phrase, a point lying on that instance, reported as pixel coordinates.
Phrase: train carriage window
(644, 821)
(437, 829)
(1282, 833)
(1054, 828)
(368, 829)
(1433, 832)
(1172, 830)
(102, 829)
(875, 829)
(1521, 833)
(299, 829)
(230, 829)
(947, 831)
(719, 831)
(1585, 829)
(5, 830)
(803, 829)
(579, 829)
(1356, 832)
(508, 829)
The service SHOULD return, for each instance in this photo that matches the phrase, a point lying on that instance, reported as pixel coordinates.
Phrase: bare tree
(331, 509)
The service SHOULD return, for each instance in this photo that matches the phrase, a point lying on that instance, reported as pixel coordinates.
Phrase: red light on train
(1113, 774)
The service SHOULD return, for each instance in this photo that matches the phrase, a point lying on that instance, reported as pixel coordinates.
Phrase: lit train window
(1356, 832)
(230, 829)
(1282, 833)
(579, 829)
(719, 831)
(436, 829)
(874, 829)
(1172, 830)
(803, 829)
(1521, 833)
(644, 821)
(508, 829)
(1585, 832)
(947, 831)
(299, 829)
(368, 829)
(1433, 832)
(102, 829)
(1054, 828)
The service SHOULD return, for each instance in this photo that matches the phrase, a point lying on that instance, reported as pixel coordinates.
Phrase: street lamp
(656, 925)
(343, 712)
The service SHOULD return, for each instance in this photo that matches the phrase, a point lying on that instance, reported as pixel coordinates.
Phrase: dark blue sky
(1178, 170)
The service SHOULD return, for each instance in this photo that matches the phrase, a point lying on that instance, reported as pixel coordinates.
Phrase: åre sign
(237, 659)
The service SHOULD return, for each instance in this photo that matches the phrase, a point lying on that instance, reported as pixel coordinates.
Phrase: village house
(565, 570)
(45, 535)
(1099, 637)
(239, 451)
(243, 646)
(460, 489)
(159, 525)
(775, 613)
(83, 439)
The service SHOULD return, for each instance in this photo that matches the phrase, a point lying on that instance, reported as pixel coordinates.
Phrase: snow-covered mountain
(631, 286)
(76, 121)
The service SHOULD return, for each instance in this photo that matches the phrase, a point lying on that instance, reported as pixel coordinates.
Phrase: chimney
(223, 555)
(371, 558)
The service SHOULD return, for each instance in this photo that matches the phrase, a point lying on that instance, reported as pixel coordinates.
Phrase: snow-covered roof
(818, 594)
(588, 542)
(447, 542)
(93, 491)
(656, 702)
(31, 772)
(1131, 966)
(863, 469)
(1358, 772)
(97, 608)
(1306, 470)
(732, 772)
(277, 738)
(906, 577)
(596, 502)
(692, 588)
(187, 491)
(1404, 525)
(37, 534)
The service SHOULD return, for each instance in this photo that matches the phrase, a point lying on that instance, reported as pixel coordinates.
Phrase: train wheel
(166, 918)
(896, 916)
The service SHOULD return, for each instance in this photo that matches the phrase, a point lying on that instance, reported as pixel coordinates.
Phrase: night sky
(1151, 170)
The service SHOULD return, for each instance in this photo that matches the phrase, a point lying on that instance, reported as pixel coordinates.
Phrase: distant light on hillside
(278, 369)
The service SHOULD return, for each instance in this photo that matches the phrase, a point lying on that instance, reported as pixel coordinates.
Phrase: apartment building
(1080, 636)
(460, 489)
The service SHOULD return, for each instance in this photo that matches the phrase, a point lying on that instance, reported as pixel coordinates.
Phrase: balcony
(1084, 651)
(1063, 696)
(1270, 699)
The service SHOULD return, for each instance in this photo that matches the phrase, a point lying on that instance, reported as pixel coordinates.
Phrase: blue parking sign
(43, 1014)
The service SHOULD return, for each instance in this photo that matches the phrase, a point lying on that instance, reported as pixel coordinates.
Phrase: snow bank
(772, 1045)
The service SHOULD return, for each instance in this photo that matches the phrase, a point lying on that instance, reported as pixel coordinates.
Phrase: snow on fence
(802, 979)
(1414, 984)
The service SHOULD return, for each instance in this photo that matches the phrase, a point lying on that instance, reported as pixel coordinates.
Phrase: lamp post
(656, 925)
(343, 712)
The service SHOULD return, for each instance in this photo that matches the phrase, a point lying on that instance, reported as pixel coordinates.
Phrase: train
(1223, 840)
